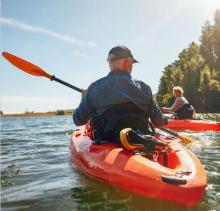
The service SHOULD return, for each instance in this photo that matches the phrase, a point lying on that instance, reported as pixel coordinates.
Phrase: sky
(71, 40)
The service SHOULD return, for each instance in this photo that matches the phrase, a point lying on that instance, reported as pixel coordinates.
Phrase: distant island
(32, 113)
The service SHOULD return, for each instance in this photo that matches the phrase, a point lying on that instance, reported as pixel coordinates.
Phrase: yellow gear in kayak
(125, 141)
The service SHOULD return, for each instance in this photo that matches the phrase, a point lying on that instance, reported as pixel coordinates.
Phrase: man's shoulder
(141, 83)
(97, 82)
(100, 80)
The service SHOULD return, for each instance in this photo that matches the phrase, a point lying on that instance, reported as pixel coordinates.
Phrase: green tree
(197, 70)
(60, 112)
(183, 72)
(207, 45)
(216, 38)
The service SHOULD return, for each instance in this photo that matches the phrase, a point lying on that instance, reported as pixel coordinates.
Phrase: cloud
(80, 54)
(35, 29)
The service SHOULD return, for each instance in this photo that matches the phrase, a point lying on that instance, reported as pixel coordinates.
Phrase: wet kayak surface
(37, 173)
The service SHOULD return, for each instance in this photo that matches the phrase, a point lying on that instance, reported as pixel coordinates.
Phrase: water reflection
(95, 195)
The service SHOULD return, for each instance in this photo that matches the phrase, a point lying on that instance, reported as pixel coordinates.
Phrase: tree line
(197, 71)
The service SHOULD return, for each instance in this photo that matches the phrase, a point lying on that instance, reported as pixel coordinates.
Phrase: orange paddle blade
(25, 65)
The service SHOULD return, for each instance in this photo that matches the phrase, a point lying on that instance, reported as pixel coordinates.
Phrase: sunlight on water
(37, 174)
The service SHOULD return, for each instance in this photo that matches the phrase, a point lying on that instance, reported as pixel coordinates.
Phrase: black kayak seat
(108, 125)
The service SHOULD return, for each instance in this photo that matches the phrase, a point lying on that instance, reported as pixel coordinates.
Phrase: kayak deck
(181, 180)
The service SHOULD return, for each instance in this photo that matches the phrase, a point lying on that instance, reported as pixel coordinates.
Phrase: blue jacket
(117, 87)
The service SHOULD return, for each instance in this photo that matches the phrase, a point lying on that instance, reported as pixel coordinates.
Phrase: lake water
(37, 173)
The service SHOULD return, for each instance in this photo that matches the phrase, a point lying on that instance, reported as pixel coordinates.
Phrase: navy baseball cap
(120, 52)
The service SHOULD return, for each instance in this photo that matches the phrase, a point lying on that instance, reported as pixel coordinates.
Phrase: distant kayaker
(181, 107)
(118, 100)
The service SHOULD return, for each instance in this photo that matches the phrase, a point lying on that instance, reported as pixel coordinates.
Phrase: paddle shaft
(169, 131)
(163, 129)
(53, 78)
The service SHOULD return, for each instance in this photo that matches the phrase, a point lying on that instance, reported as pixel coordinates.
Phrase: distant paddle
(185, 139)
(34, 70)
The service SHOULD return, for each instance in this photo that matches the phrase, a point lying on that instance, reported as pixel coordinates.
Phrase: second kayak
(193, 124)
(170, 173)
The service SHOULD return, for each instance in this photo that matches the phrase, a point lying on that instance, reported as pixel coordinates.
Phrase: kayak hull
(136, 173)
(193, 124)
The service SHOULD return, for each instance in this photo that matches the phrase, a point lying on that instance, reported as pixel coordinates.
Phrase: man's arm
(156, 116)
(83, 113)
(166, 110)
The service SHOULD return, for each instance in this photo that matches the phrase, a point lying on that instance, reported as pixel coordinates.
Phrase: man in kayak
(118, 100)
(181, 107)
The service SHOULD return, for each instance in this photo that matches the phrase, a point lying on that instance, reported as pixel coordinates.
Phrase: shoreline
(210, 116)
(30, 114)
(49, 113)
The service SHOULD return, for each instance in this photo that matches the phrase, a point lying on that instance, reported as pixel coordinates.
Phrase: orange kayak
(176, 175)
(193, 124)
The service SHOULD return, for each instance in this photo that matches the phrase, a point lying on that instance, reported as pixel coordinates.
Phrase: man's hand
(165, 110)
(83, 92)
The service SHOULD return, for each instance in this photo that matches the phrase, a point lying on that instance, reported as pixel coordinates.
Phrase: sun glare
(207, 7)
(211, 4)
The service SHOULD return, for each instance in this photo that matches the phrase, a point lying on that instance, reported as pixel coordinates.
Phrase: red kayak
(193, 124)
(170, 173)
